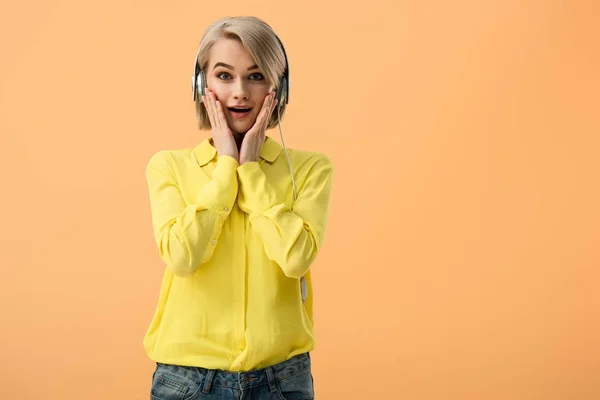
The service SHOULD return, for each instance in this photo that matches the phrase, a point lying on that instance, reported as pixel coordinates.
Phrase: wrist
(246, 160)
(230, 153)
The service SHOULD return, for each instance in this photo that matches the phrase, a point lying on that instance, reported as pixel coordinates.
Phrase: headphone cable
(286, 154)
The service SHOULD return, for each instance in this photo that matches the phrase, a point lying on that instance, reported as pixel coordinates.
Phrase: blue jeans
(288, 380)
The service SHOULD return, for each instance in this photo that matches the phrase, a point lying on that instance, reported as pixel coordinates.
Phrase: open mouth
(238, 112)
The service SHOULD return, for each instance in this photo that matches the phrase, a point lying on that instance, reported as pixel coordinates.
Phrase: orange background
(461, 260)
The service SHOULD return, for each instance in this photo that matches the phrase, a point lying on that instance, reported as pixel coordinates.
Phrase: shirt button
(213, 241)
(238, 364)
(226, 208)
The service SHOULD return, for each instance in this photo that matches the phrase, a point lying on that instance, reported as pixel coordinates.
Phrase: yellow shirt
(235, 245)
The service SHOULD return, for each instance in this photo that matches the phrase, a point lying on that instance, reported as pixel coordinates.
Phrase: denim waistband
(243, 380)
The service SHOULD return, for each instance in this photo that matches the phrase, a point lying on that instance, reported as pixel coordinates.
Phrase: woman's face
(237, 82)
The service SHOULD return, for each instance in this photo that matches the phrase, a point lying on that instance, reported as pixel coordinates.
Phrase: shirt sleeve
(186, 234)
(291, 238)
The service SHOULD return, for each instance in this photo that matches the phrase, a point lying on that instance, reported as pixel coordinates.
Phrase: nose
(240, 92)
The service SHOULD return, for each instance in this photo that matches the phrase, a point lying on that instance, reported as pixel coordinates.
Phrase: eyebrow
(222, 64)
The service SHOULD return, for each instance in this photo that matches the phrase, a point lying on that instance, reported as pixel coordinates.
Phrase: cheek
(217, 87)
(260, 93)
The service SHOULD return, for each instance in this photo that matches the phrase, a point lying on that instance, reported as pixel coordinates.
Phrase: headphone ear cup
(281, 91)
(201, 83)
(195, 95)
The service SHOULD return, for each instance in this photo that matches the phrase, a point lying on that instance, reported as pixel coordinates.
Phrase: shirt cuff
(256, 195)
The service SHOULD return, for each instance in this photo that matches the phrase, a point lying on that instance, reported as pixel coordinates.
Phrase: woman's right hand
(221, 134)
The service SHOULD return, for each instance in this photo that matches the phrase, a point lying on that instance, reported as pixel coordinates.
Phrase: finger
(270, 109)
(209, 110)
(222, 120)
(273, 108)
(259, 124)
(218, 105)
(266, 107)
(205, 102)
(262, 116)
(274, 104)
(260, 119)
(268, 115)
(215, 110)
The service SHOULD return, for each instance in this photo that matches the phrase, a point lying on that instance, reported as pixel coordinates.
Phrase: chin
(238, 131)
(240, 128)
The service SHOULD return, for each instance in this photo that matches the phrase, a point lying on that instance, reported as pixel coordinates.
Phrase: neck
(239, 138)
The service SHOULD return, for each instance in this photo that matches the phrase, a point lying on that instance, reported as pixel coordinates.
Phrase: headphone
(283, 89)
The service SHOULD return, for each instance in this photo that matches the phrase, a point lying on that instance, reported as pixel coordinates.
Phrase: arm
(186, 234)
(292, 238)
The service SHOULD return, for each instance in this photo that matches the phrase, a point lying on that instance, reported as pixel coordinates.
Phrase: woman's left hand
(255, 137)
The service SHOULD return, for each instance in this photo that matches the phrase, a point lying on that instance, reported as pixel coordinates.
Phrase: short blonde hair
(261, 42)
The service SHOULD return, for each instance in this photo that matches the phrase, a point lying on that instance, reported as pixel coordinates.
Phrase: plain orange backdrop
(462, 256)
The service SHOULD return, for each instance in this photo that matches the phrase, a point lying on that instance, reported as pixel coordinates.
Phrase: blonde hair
(261, 42)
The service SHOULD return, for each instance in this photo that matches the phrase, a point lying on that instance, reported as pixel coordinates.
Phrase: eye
(257, 77)
(223, 76)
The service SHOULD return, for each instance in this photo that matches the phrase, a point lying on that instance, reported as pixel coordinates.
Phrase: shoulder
(168, 160)
(309, 157)
(310, 160)
(162, 157)
(310, 166)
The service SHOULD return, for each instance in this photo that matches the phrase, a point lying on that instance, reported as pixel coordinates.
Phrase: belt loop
(210, 374)
(271, 379)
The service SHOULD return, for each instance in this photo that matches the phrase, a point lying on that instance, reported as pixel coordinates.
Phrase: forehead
(232, 52)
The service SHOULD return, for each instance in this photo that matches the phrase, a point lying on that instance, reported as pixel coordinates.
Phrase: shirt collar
(270, 150)
(205, 152)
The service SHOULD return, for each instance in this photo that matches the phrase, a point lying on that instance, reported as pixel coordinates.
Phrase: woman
(237, 232)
